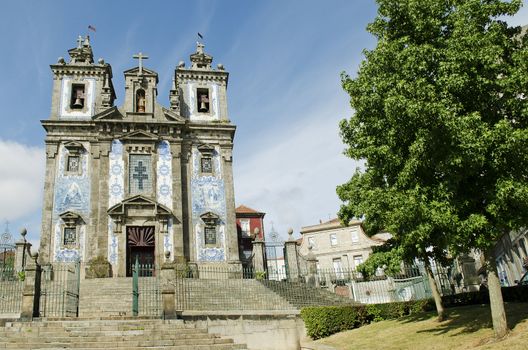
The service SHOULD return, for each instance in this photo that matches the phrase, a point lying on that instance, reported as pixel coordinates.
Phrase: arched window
(140, 101)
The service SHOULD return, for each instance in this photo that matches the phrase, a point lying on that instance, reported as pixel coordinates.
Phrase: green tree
(440, 117)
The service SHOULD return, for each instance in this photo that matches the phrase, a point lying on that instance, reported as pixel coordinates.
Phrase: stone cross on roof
(79, 42)
(140, 57)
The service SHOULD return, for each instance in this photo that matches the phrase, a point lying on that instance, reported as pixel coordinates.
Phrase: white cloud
(21, 186)
(292, 177)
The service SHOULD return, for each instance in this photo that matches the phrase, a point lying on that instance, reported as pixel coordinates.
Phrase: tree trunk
(498, 315)
(436, 294)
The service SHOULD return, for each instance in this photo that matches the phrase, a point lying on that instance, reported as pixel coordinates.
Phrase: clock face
(274, 236)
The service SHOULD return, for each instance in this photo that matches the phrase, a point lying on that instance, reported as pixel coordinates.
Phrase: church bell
(203, 103)
(77, 103)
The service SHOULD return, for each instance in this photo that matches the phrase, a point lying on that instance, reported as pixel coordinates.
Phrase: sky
(284, 95)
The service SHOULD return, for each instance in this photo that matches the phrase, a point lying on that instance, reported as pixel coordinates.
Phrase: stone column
(168, 277)
(22, 250)
(231, 234)
(177, 201)
(311, 261)
(292, 258)
(259, 257)
(31, 292)
(96, 239)
(47, 231)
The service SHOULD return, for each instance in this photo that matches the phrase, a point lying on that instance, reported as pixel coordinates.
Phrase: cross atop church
(79, 42)
(140, 57)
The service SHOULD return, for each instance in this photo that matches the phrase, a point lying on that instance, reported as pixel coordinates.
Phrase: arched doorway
(140, 246)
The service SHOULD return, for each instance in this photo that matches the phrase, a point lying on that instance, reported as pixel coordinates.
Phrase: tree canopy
(440, 117)
(441, 120)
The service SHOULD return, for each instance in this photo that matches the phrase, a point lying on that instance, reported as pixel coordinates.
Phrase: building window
(358, 260)
(73, 164)
(77, 96)
(210, 235)
(333, 239)
(338, 267)
(203, 100)
(355, 236)
(207, 165)
(140, 177)
(245, 228)
(70, 236)
(311, 242)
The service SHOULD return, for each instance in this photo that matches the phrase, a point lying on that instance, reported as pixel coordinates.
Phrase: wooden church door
(140, 245)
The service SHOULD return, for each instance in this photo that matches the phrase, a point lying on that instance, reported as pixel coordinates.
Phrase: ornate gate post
(31, 293)
(311, 278)
(291, 257)
(259, 257)
(22, 249)
(168, 276)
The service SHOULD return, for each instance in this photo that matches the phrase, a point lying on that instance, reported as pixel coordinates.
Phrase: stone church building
(138, 180)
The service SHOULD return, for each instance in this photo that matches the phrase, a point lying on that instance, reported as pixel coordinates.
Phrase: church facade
(139, 180)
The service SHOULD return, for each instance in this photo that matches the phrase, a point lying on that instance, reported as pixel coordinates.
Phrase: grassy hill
(468, 327)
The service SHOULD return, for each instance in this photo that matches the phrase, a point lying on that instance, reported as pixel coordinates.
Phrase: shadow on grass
(469, 319)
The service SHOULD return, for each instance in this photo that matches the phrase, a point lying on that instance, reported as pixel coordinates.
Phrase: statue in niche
(140, 101)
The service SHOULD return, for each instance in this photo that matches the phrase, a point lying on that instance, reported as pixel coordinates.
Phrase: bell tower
(81, 88)
(140, 90)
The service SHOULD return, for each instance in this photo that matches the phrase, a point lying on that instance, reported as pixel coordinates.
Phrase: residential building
(338, 247)
(250, 226)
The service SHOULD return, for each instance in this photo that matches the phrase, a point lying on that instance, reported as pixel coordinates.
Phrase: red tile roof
(242, 209)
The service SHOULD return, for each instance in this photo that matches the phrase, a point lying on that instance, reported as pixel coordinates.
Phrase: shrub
(98, 267)
(322, 321)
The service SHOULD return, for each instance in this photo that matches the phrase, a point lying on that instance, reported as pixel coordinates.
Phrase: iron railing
(11, 288)
(59, 291)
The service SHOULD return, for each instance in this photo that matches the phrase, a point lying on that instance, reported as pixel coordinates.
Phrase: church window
(70, 236)
(73, 164)
(203, 100)
(140, 174)
(140, 101)
(207, 165)
(77, 96)
(210, 235)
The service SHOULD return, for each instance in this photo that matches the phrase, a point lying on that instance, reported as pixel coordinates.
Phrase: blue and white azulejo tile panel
(113, 242)
(71, 193)
(116, 180)
(208, 195)
(164, 175)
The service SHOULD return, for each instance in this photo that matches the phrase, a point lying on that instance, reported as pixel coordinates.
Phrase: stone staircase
(131, 334)
(105, 297)
(300, 295)
(228, 295)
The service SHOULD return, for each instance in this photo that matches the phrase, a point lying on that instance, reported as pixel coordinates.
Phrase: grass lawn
(468, 327)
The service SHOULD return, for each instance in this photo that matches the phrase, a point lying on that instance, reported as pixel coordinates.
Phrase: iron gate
(146, 296)
(59, 293)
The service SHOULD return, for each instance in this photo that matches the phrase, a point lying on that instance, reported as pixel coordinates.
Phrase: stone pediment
(71, 218)
(145, 71)
(109, 114)
(172, 116)
(139, 136)
(74, 147)
(206, 149)
(210, 218)
(139, 205)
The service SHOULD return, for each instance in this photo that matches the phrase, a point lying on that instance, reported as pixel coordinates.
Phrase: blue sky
(284, 94)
